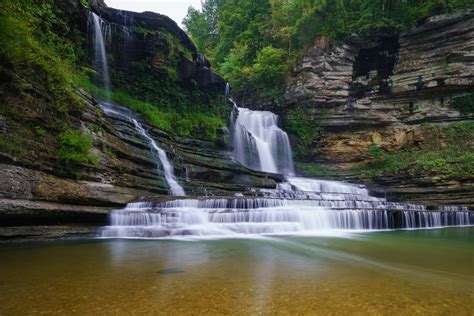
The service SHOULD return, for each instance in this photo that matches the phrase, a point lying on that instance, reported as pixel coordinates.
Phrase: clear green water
(427, 272)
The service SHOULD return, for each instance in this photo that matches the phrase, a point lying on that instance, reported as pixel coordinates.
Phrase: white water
(260, 144)
(175, 188)
(232, 217)
(113, 110)
(101, 31)
(333, 207)
(297, 206)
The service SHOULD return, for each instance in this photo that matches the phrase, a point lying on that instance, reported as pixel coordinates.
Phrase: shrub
(464, 104)
(75, 146)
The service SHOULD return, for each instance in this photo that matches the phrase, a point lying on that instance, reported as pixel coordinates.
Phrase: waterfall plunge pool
(396, 272)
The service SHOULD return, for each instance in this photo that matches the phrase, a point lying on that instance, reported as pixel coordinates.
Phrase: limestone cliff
(389, 91)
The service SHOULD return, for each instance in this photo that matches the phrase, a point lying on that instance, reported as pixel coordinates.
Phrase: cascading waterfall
(113, 110)
(260, 144)
(175, 188)
(314, 207)
(101, 30)
(299, 205)
(231, 217)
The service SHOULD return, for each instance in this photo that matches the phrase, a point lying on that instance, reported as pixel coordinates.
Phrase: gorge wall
(40, 185)
(64, 162)
(387, 94)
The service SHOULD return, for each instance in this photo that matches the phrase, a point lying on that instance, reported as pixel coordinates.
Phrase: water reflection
(404, 272)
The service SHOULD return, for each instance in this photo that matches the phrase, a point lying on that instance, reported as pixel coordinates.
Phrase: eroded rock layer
(392, 92)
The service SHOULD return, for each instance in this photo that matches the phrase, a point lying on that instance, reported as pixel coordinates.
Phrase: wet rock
(153, 45)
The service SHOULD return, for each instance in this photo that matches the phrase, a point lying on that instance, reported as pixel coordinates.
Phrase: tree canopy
(253, 42)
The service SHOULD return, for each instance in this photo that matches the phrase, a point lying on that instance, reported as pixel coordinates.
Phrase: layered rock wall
(383, 90)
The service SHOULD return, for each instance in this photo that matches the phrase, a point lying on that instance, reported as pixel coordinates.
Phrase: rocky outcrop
(127, 171)
(371, 81)
(381, 90)
(155, 37)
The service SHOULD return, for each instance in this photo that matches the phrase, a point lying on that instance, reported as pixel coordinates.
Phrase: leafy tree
(244, 37)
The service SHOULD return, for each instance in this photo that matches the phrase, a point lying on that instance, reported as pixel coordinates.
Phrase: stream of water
(414, 272)
(102, 31)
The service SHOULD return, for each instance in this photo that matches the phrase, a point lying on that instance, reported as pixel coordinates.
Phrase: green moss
(306, 130)
(36, 45)
(454, 159)
(193, 122)
(315, 170)
(40, 131)
(12, 145)
(75, 146)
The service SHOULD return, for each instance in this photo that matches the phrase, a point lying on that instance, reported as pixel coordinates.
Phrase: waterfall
(233, 217)
(260, 144)
(101, 30)
(175, 188)
(296, 206)
(227, 91)
(113, 110)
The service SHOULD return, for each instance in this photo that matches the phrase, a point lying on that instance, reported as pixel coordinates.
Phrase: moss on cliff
(196, 122)
(38, 47)
(307, 131)
(451, 155)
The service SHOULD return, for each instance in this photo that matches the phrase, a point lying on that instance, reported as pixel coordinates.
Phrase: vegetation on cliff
(252, 43)
(450, 155)
(45, 60)
(38, 50)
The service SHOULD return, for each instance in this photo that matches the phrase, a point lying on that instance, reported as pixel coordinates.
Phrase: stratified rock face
(159, 40)
(323, 76)
(437, 57)
(37, 186)
(359, 84)
(379, 89)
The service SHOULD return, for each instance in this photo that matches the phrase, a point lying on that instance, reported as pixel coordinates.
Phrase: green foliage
(464, 104)
(12, 144)
(455, 159)
(376, 151)
(314, 170)
(75, 146)
(234, 33)
(37, 46)
(40, 131)
(266, 73)
(306, 130)
(196, 123)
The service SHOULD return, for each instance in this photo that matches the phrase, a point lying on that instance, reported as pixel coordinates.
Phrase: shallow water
(396, 272)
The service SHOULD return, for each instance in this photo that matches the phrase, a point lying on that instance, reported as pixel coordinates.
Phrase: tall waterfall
(260, 144)
(102, 31)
